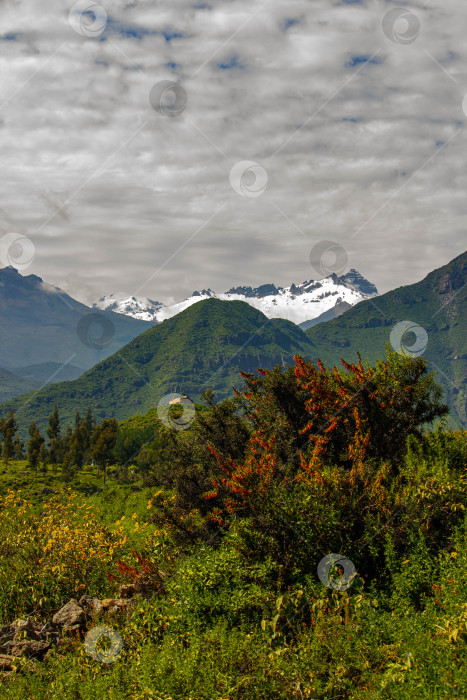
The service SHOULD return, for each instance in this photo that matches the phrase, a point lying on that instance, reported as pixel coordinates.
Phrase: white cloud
(355, 144)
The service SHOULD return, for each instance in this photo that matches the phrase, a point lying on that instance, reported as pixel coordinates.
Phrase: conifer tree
(77, 419)
(76, 450)
(18, 448)
(53, 433)
(34, 446)
(103, 442)
(9, 429)
(89, 422)
(44, 457)
(67, 440)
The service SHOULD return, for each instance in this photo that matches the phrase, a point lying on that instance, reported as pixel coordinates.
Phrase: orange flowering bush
(325, 466)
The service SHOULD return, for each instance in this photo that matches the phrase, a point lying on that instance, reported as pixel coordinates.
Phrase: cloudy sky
(279, 125)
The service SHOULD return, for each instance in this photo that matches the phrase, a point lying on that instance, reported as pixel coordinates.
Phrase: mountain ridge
(203, 347)
(41, 323)
(297, 303)
(437, 304)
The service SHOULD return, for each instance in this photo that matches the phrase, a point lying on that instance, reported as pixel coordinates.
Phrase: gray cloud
(362, 140)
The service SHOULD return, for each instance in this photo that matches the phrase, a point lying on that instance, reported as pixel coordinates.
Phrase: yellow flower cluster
(64, 543)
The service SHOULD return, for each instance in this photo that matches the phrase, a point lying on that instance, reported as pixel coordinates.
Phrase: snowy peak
(137, 307)
(354, 279)
(206, 293)
(297, 303)
(259, 292)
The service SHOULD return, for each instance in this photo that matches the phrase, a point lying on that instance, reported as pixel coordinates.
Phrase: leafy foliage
(243, 506)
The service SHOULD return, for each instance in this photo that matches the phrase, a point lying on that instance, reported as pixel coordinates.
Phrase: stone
(25, 630)
(6, 662)
(113, 603)
(18, 623)
(7, 632)
(71, 614)
(49, 632)
(127, 591)
(30, 648)
(49, 627)
(91, 605)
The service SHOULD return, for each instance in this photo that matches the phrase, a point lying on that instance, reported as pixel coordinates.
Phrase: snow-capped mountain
(297, 303)
(138, 307)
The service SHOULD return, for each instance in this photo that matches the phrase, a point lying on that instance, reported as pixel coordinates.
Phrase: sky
(158, 147)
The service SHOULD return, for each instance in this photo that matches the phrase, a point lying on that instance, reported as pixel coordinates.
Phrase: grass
(210, 637)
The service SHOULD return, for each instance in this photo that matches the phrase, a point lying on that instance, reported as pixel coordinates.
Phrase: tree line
(85, 442)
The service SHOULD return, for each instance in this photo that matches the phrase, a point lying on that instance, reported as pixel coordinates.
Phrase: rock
(7, 632)
(49, 632)
(6, 662)
(92, 606)
(127, 591)
(18, 623)
(30, 648)
(25, 630)
(71, 614)
(113, 604)
(49, 627)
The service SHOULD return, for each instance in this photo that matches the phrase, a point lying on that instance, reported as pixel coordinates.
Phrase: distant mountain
(208, 343)
(48, 372)
(297, 303)
(204, 346)
(41, 324)
(11, 385)
(137, 307)
(437, 305)
(24, 379)
(337, 310)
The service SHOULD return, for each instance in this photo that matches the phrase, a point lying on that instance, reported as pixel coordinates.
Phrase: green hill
(11, 385)
(204, 346)
(438, 304)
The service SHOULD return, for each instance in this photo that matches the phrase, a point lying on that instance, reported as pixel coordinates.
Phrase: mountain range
(299, 303)
(49, 337)
(205, 346)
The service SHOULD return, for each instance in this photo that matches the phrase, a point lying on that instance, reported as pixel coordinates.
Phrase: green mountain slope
(204, 346)
(438, 304)
(11, 385)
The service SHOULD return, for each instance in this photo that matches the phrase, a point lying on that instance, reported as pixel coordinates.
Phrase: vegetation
(12, 385)
(203, 347)
(437, 304)
(238, 511)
